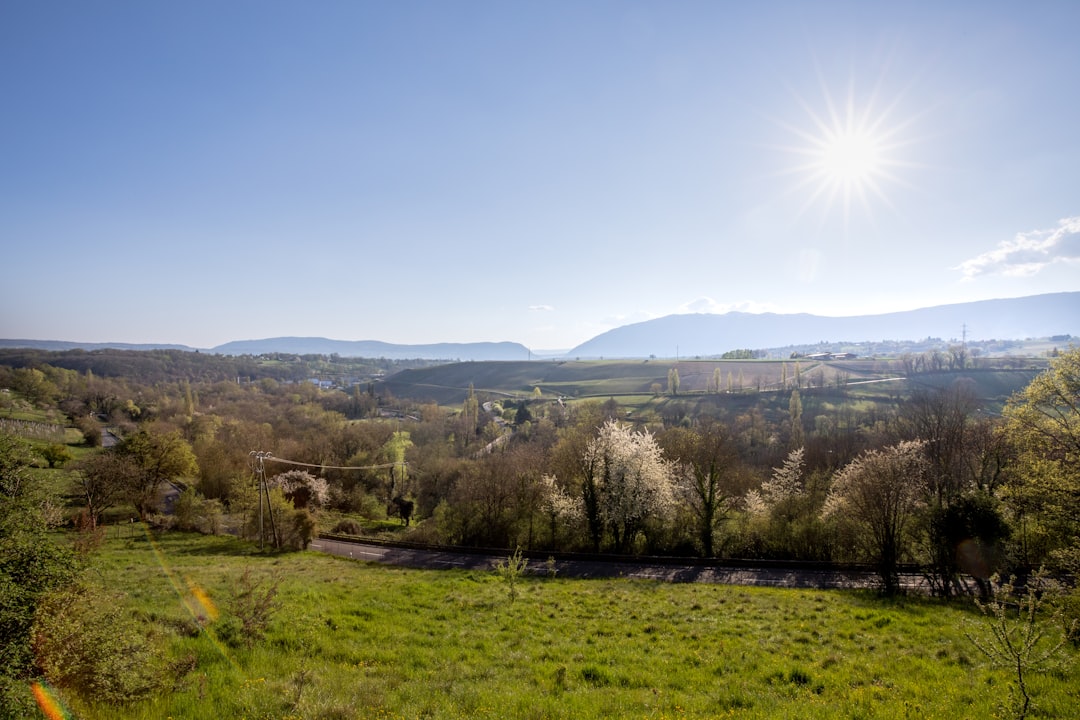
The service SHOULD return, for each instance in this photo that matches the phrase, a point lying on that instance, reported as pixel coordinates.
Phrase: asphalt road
(773, 577)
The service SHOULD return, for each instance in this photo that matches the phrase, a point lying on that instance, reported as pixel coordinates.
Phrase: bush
(1014, 637)
(304, 529)
(56, 454)
(84, 642)
(510, 570)
(194, 512)
(251, 605)
(347, 527)
(90, 428)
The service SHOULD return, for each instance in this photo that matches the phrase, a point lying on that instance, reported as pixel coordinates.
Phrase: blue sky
(540, 172)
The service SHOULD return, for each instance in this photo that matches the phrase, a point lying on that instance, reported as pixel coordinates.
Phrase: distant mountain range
(1034, 316)
(376, 349)
(311, 346)
(61, 345)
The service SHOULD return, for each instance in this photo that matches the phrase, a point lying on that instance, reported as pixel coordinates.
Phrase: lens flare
(194, 598)
(48, 703)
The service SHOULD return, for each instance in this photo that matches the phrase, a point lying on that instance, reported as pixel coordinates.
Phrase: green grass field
(353, 640)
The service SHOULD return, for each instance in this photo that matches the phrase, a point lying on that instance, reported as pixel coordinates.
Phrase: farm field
(352, 640)
(641, 387)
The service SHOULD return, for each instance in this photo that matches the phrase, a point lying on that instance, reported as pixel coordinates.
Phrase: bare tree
(103, 481)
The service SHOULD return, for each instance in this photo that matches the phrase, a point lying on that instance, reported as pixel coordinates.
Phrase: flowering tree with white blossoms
(880, 491)
(302, 488)
(625, 481)
(786, 481)
(559, 506)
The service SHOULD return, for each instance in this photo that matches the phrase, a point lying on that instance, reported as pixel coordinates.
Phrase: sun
(849, 154)
(850, 158)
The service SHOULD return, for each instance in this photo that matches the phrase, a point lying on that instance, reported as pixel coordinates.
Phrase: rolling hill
(711, 335)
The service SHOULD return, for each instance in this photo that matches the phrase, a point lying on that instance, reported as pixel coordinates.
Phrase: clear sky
(454, 171)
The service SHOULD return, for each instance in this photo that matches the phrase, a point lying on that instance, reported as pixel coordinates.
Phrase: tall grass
(354, 640)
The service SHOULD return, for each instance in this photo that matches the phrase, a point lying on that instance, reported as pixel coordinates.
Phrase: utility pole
(258, 457)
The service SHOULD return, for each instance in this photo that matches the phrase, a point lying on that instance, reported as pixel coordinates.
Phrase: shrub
(347, 527)
(195, 512)
(509, 570)
(89, 537)
(1015, 636)
(304, 529)
(251, 605)
(83, 641)
(56, 454)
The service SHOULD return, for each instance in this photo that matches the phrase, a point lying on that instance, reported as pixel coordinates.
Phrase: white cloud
(541, 308)
(1028, 252)
(710, 306)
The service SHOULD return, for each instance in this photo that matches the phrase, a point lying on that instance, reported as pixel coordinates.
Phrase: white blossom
(628, 479)
(294, 482)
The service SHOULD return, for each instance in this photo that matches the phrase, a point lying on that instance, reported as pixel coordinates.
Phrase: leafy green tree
(195, 512)
(304, 528)
(973, 528)
(160, 457)
(706, 463)
(1043, 423)
(944, 420)
(783, 516)
(56, 454)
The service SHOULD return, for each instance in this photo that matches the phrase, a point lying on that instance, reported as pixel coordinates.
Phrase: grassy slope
(366, 641)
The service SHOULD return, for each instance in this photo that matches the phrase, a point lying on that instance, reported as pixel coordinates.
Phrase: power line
(269, 457)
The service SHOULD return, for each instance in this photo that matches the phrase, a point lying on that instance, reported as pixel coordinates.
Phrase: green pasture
(353, 640)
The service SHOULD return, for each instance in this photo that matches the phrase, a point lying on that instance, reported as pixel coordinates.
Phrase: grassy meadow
(354, 640)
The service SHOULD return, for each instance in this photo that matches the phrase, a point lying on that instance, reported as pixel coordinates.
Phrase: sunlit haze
(423, 172)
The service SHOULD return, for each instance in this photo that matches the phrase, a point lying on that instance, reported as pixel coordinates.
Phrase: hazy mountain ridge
(376, 349)
(709, 335)
(691, 335)
(62, 345)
